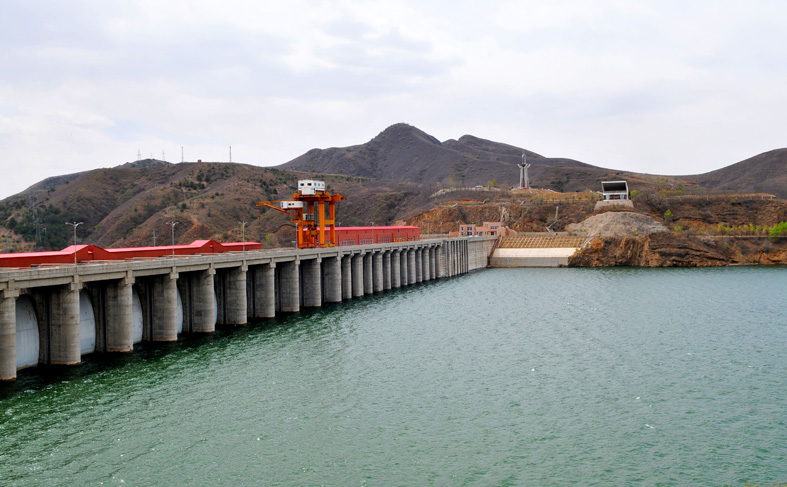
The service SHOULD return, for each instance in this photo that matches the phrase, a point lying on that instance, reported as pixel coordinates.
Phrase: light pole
(243, 232)
(75, 225)
(172, 224)
(373, 233)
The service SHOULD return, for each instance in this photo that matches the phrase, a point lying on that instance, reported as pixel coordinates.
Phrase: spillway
(136, 311)
(87, 324)
(27, 343)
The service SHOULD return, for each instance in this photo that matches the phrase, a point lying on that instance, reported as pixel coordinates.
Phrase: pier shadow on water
(151, 354)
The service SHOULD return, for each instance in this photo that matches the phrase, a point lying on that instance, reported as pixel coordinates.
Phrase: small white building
(615, 190)
(614, 193)
(310, 186)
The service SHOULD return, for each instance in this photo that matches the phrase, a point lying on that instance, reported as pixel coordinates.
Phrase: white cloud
(652, 86)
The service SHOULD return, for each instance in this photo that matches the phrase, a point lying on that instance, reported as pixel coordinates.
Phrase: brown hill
(131, 205)
(404, 153)
(397, 176)
(764, 173)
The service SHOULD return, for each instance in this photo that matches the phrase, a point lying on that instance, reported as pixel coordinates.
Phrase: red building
(88, 253)
(370, 235)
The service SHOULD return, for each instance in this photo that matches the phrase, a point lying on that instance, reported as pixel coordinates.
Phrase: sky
(654, 86)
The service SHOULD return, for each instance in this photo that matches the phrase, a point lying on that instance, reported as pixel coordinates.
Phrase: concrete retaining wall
(531, 257)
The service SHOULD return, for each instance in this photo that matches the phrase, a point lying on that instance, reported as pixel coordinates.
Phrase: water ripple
(501, 377)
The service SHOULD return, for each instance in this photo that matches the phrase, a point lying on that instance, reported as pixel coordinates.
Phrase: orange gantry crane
(307, 211)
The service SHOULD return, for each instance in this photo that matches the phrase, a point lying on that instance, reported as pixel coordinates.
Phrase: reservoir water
(501, 377)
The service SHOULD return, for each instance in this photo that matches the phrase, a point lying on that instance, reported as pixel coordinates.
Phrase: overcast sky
(659, 86)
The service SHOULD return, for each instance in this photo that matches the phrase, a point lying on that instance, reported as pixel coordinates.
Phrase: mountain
(763, 173)
(131, 205)
(392, 178)
(405, 153)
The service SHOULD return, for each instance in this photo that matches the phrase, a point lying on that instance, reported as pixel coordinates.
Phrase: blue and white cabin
(310, 186)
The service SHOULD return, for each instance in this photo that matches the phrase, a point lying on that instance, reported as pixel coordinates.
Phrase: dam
(55, 315)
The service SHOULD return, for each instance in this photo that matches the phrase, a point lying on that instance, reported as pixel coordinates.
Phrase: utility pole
(230, 153)
(181, 154)
(172, 224)
(75, 225)
(154, 238)
(243, 233)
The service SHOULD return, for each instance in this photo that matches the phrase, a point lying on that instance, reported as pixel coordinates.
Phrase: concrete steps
(535, 251)
(540, 242)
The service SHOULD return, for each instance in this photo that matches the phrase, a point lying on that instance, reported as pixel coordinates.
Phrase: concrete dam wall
(55, 315)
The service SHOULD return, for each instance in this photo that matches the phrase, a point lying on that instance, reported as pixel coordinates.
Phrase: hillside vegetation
(401, 175)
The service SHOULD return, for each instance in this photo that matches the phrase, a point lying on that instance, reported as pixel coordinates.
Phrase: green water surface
(502, 377)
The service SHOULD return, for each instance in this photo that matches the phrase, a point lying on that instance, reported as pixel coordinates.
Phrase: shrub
(778, 231)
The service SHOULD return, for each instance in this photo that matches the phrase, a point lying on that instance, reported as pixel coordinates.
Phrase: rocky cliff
(673, 250)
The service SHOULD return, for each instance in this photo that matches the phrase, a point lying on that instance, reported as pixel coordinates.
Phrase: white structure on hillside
(615, 190)
(615, 193)
(524, 181)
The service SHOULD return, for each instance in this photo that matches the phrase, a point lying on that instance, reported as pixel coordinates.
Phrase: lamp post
(172, 224)
(373, 233)
(75, 225)
(243, 232)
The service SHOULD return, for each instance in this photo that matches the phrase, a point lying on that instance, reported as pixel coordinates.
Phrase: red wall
(87, 253)
(369, 235)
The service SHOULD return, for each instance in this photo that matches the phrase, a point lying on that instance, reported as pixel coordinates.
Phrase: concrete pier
(377, 271)
(419, 266)
(368, 274)
(289, 294)
(427, 275)
(312, 283)
(235, 296)
(202, 318)
(124, 302)
(396, 273)
(412, 276)
(64, 339)
(433, 262)
(405, 267)
(332, 270)
(8, 334)
(357, 272)
(261, 289)
(119, 327)
(347, 277)
(164, 316)
(387, 270)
